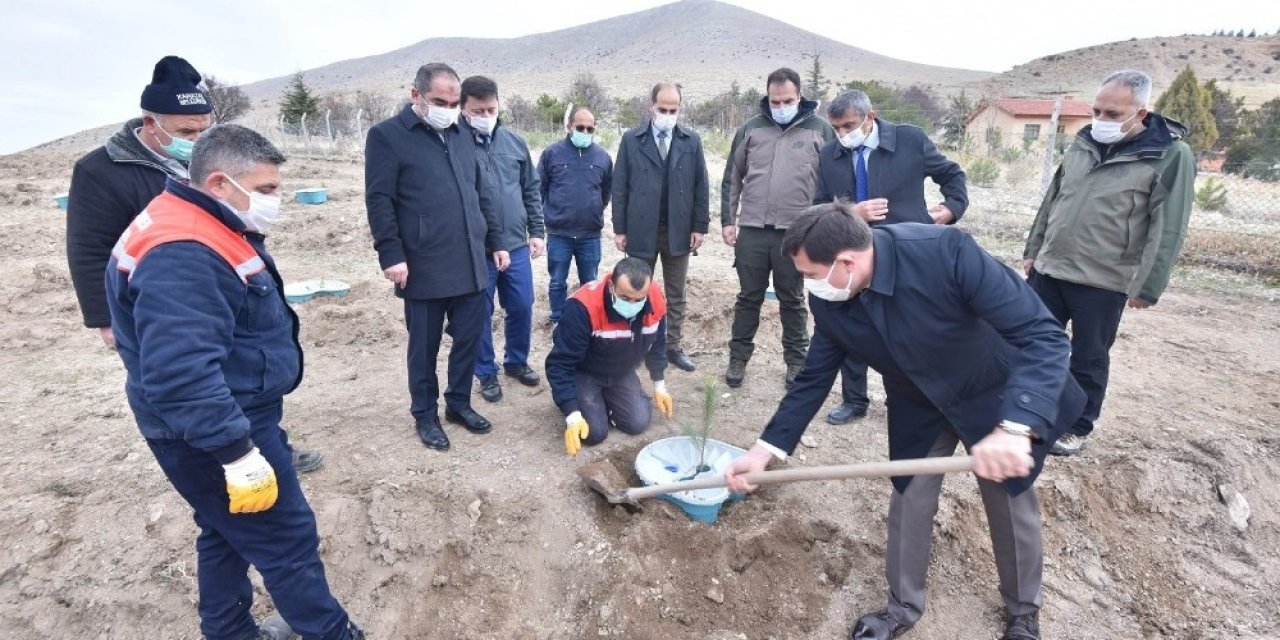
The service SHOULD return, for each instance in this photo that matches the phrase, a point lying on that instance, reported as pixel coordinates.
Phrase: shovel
(603, 477)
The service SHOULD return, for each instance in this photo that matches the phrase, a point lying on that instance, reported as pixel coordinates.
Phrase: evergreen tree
(1253, 33)
(1188, 102)
(1256, 153)
(298, 100)
(1227, 111)
(816, 83)
(954, 134)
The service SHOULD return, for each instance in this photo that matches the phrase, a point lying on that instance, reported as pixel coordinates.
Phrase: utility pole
(1046, 175)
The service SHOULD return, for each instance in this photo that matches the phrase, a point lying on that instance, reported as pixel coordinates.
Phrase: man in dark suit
(968, 354)
(660, 202)
(881, 166)
(434, 229)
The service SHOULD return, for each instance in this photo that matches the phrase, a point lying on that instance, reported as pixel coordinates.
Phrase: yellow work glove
(251, 483)
(663, 399)
(576, 430)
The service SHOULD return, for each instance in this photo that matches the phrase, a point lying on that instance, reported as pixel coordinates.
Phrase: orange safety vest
(169, 218)
(602, 326)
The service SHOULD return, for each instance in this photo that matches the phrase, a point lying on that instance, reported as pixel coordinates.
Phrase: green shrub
(982, 172)
(1212, 195)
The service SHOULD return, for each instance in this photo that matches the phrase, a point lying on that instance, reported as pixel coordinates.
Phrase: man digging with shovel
(968, 354)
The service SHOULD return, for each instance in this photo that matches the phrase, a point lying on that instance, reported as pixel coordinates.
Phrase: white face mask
(1108, 132)
(441, 117)
(855, 138)
(821, 288)
(484, 125)
(785, 114)
(665, 122)
(264, 210)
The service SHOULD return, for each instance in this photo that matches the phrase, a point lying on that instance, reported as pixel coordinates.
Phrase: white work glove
(251, 483)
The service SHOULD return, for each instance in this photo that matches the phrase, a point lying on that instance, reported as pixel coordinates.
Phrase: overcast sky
(68, 65)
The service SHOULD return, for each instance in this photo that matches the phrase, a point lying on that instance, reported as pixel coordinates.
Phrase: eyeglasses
(584, 128)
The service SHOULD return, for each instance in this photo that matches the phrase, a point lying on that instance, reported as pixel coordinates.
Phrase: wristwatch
(1018, 429)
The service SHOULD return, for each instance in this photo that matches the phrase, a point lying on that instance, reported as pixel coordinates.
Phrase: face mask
(264, 210)
(1109, 132)
(483, 125)
(823, 289)
(853, 139)
(785, 114)
(178, 148)
(441, 117)
(581, 139)
(626, 308)
(664, 122)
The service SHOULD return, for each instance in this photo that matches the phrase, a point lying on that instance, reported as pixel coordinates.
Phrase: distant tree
(519, 113)
(340, 112)
(550, 113)
(926, 101)
(1256, 153)
(229, 100)
(954, 134)
(1188, 102)
(1253, 33)
(298, 100)
(889, 104)
(816, 83)
(1227, 110)
(375, 107)
(1240, 33)
(632, 112)
(586, 91)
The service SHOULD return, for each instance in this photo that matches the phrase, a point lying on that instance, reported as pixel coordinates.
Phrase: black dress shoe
(845, 413)
(490, 390)
(680, 360)
(878, 626)
(525, 374)
(1025, 627)
(432, 434)
(469, 419)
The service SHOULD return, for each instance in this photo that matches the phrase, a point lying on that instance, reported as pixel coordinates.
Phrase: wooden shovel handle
(914, 467)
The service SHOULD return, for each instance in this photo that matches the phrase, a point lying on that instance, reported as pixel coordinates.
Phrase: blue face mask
(178, 148)
(626, 308)
(580, 139)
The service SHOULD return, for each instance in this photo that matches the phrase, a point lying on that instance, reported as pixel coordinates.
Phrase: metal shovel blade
(604, 478)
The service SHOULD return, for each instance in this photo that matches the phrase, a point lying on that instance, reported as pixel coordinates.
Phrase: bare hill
(704, 44)
(1249, 67)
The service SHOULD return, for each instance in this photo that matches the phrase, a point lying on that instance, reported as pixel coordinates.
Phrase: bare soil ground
(498, 538)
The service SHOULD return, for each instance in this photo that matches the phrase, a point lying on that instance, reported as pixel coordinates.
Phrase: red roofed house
(1010, 121)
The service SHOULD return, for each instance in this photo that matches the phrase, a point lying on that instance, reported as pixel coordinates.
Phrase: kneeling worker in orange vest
(606, 329)
(211, 348)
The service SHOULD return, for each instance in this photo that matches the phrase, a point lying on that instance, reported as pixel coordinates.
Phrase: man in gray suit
(660, 202)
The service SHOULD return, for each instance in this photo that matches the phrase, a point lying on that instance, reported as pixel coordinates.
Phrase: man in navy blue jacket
(434, 228)
(577, 177)
(893, 161)
(968, 354)
(211, 348)
(513, 181)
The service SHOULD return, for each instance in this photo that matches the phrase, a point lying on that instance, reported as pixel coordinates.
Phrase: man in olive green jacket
(1110, 229)
(769, 181)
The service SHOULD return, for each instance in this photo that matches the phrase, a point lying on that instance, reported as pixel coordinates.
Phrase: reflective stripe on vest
(169, 218)
(602, 326)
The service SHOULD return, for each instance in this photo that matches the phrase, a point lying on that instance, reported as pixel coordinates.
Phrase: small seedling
(699, 434)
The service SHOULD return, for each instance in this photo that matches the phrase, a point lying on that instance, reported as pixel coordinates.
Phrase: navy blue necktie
(859, 175)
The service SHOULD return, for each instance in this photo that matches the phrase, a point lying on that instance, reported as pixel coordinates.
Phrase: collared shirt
(654, 131)
(870, 144)
(178, 168)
